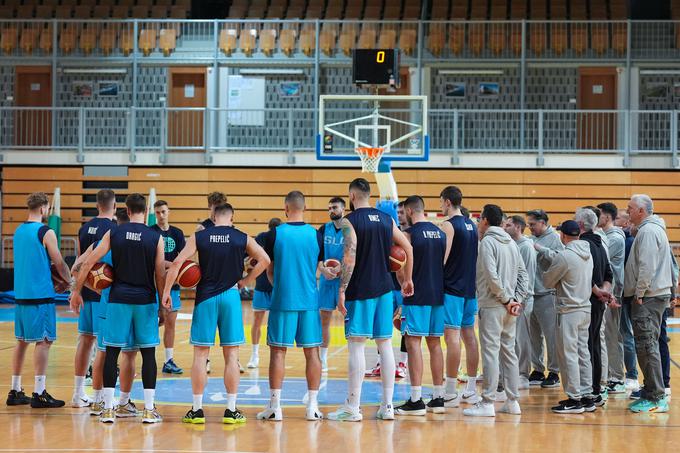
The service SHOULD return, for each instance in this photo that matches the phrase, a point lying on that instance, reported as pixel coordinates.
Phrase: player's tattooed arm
(349, 253)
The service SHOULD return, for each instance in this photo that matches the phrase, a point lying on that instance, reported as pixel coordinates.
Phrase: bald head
(295, 201)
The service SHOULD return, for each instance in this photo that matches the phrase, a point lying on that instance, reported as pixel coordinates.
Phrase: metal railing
(69, 246)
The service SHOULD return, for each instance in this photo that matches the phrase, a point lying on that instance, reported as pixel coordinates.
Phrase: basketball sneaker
(313, 413)
(97, 408)
(207, 366)
(107, 416)
(615, 387)
(45, 400)
(151, 416)
(385, 412)
(523, 383)
(568, 406)
(667, 392)
(452, 400)
(194, 417)
(81, 401)
(127, 410)
(436, 405)
(88, 376)
(536, 378)
(345, 413)
(632, 384)
(233, 417)
(636, 394)
(511, 407)
(170, 367)
(501, 396)
(470, 397)
(374, 372)
(254, 362)
(552, 381)
(271, 414)
(17, 398)
(589, 403)
(480, 409)
(400, 371)
(411, 408)
(645, 405)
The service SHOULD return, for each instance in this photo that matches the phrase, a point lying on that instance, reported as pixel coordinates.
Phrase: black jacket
(602, 270)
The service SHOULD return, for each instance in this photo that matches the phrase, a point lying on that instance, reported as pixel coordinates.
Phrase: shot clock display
(376, 67)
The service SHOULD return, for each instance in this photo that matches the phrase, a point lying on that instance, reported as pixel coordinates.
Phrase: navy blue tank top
(207, 223)
(371, 277)
(221, 251)
(262, 282)
(429, 249)
(133, 253)
(460, 270)
(93, 231)
(173, 241)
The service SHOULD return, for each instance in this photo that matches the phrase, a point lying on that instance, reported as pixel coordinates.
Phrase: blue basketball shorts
(176, 302)
(422, 320)
(221, 313)
(328, 294)
(124, 321)
(370, 318)
(35, 322)
(88, 319)
(287, 328)
(262, 300)
(459, 312)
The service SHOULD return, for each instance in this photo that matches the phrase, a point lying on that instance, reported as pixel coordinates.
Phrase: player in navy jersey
(460, 302)
(262, 299)
(138, 255)
(174, 241)
(214, 199)
(88, 319)
(35, 245)
(366, 285)
(328, 288)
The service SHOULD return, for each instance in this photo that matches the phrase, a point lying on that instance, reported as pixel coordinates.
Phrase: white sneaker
(511, 407)
(501, 397)
(470, 397)
(400, 371)
(523, 383)
(270, 414)
(480, 409)
(313, 414)
(385, 412)
(632, 385)
(668, 394)
(254, 362)
(452, 400)
(324, 366)
(81, 401)
(345, 413)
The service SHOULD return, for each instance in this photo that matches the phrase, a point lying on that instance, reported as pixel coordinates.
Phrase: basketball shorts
(459, 312)
(35, 322)
(422, 320)
(130, 345)
(219, 313)
(88, 319)
(370, 318)
(262, 300)
(397, 300)
(328, 295)
(124, 320)
(287, 328)
(176, 302)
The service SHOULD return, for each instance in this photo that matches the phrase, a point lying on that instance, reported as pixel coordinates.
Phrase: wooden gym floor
(613, 428)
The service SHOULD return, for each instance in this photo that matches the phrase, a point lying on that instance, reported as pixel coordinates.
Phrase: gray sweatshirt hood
(498, 234)
(653, 220)
(581, 248)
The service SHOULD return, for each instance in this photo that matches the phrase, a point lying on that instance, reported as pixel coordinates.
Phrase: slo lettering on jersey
(219, 238)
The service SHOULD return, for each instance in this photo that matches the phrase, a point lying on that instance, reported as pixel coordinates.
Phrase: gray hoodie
(648, 270)
(571, 274)
(528, 254)
(550, 239)
(616, 240)
(501, 274)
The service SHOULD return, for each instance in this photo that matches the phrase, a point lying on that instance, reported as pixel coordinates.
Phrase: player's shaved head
(415, 203)
(360, 188)
(295, 200)
(223, 209)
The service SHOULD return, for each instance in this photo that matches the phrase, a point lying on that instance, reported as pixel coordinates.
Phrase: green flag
(54, 219)
(151, 214)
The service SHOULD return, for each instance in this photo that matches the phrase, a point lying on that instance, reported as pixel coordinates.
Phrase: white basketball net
(370, 158)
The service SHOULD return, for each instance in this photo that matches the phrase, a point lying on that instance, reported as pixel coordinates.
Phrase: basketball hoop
(370, 158)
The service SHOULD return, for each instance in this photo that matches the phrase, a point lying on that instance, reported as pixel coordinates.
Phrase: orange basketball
(189, 274)
(60, 286)
(397, 258)
(249, 264)
(100, 276)
(331, 262)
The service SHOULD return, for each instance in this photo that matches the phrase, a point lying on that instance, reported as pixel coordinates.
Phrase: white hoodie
(571, 274)
(648, 270)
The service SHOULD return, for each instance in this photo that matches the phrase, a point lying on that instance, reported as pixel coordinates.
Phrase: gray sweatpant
(572, 353)
(497, 340)
(612, 324)
(646, 319)
(523, 339)
(604, 374)
(542, 326)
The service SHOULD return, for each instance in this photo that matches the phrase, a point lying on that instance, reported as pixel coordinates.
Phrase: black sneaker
(500, 388)
(588, 403)
(436, 405)
(17, 398)
(569, 406)
(194, 417)
(536, 378)
(233, 417)
(597, 400)
(45, 400)
(412, 408)
(88, 375)
(552, 381)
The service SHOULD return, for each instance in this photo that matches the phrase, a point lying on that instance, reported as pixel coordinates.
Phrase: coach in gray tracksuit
(648, 280)
(542, 323)
(515, 227)
(571, 273)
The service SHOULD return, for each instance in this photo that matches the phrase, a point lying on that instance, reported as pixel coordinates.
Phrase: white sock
(313, 398)
(471, 385)
(256, 350)
(124, 398)
(149, 395)
(108, 397)
(403, 357)
(16, 383)
(438, 391)
(169, 353)
(324, 355)
(357, 368)
(231, 401)
(198, 402)
(79, 385)
(40, 384)
(416, 393)
(275, 401)
(451, 383)
(98, 395)
(387, 369)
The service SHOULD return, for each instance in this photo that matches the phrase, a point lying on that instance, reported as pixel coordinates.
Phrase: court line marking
(121, 449)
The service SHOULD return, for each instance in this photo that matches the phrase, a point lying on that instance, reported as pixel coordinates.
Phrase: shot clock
(376, 67)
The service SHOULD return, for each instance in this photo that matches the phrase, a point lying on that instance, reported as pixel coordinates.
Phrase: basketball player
(35, 245)
(262, 300)
(423, 313)
(138, 256)
(328, 288)
(88, 319)
(296, 249)
(460, 303)
(214, 199)
(221, 251)
(366, 284)
(174, 241)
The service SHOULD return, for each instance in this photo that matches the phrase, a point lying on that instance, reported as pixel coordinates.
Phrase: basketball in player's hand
(100, 276)
(60, 285)
(334, 265)
(397, 258)
(249, 264)
(189, 274)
